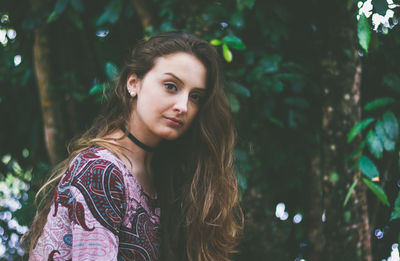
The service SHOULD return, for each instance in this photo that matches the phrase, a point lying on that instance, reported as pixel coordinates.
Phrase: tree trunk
(346, 229)
(315, 211)
(50, 100)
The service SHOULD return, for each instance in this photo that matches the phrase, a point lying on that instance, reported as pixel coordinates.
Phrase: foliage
(364, 32)
(380, 128)
(16, 204)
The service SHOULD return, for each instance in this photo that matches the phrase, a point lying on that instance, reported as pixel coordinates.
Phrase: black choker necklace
(136, 141)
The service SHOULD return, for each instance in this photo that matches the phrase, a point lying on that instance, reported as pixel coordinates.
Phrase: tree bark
(50, 100)
(315, 212)
(346, 229)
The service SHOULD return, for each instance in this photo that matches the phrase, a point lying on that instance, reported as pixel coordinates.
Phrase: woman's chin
(170, 136)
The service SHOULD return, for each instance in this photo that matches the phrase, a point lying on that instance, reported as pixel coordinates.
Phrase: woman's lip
(174, 122)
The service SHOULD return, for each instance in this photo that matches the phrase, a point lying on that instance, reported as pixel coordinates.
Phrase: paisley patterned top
(100, 212)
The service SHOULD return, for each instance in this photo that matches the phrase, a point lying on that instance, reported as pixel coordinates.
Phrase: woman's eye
(170, 86)
(196, 97)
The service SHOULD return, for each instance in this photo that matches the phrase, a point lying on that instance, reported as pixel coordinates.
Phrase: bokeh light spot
(279, 210)
(3, 36)
(17, 60)
(224, 25)
(25, 153)
(11, 33)
(284, 216)
(5, 19)
(102, 33)
(379, 233)
(297, 218)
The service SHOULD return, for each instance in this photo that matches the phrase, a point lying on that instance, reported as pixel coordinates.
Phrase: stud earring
(132, 93)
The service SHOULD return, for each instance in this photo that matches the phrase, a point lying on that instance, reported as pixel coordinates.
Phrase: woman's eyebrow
(177, 78)
(200, 89)
(173, 75)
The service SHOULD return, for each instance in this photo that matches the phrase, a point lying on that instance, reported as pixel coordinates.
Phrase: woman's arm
(91, 240)
(86, 215)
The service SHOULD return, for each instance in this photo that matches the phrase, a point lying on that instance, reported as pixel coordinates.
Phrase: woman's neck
(136, 159)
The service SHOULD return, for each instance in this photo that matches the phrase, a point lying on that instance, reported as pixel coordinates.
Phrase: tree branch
(143, 10)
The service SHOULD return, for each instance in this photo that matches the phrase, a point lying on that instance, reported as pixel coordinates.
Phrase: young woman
(152, 178)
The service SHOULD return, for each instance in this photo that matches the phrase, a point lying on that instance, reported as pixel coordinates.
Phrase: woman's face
(168, 97)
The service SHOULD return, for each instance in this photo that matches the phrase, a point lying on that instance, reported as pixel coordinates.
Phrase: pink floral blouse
(100, 212)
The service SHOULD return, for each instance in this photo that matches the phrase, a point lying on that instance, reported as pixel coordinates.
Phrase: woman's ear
(132, 84)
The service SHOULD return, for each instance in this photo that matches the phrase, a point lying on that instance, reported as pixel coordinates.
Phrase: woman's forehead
(183, 67)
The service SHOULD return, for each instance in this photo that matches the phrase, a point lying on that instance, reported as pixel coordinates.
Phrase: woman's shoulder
(95, 157)
(99, 167)
(95, 176)
(98, 154)
(93, 166)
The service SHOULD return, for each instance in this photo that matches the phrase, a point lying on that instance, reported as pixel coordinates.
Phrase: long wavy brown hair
(196, 185)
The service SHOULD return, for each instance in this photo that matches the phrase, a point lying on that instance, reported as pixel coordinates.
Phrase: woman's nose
(181, 104)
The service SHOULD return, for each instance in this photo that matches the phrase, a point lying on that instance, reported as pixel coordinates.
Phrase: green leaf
(374, 144)
(96, 89)
(215, 42)
(360, 126)
(80, 96)
(391, 125)
(396, 210)
(235, 105)
(58, 9)
(111, 70)
(111, 13)
(52, 17)
(270, 64)
(277, 85)
(227, 53)
(368, 167)
(240, 89)
(378, 103)
(388, 144)
(349, 192)
(380, 6)
(77, 5)
(167, 26)
(60, 6)
(234, 42)
(364, 32)
(378, 191)
(242, 182)
(275, 121)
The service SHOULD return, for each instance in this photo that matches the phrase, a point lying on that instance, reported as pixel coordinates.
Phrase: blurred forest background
(314, 87)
